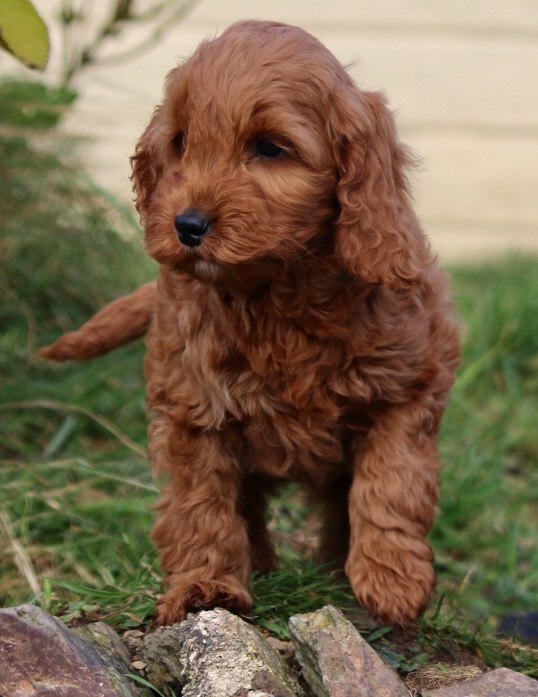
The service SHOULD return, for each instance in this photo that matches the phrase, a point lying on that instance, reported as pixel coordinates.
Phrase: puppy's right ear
(146, 166)
(378, 237)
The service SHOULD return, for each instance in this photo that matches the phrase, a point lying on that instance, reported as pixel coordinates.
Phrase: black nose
(191, 227)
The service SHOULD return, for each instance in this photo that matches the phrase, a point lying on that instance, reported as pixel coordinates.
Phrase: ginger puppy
(299, 329)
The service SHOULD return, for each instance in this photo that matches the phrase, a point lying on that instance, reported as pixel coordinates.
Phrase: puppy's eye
(178, 143)
(268, 150)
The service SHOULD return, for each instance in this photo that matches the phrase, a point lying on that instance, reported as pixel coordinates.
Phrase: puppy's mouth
(205, 270)
(192, 227)
(214, 254)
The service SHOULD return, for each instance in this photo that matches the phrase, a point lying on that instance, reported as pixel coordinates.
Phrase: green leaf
(23, 33)
(145, 683)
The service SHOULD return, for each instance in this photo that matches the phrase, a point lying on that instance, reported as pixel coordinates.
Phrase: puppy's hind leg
(253, 509)
(118, 323)
(334, 533)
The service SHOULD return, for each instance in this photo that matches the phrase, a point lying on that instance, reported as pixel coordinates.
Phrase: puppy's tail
(118, 323)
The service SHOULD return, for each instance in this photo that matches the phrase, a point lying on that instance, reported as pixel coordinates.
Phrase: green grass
(487, 531)
(76, 493)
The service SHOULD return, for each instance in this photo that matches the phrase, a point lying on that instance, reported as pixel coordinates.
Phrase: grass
(76, 494)
(486, 534)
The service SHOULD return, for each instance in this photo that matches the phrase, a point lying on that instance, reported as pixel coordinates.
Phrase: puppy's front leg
(392, 507)
(202, 537)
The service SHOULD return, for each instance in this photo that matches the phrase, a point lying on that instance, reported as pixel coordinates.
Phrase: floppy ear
(146, 166)
(377, 236)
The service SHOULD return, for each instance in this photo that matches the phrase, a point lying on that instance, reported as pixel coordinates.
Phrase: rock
(216, 654)
(497, 683)
(39, 656)
(211, 654)
(108, 645)
(337, 661)
(520, 626)
(133, 640)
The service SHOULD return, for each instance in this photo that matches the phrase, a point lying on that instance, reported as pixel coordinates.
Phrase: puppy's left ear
(145, 164)
(378, 238)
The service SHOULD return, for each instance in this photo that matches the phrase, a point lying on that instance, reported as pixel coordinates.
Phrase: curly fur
(310, 336)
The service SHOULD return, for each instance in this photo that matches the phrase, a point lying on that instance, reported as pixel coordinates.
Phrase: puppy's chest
(282, 393)
(267, 378)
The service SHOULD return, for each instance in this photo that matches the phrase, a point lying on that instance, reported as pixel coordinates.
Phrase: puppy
(299, 328)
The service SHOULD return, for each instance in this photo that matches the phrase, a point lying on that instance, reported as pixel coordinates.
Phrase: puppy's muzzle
(192, 226)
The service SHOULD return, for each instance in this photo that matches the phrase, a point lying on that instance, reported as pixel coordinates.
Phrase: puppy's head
(263, 150)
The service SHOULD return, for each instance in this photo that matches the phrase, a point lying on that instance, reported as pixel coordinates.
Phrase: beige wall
(462, 76)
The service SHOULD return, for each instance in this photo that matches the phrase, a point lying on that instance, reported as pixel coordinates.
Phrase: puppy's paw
(187, 597)
(397, 592)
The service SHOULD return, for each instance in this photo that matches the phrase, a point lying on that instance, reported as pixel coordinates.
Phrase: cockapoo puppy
(299, 328)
